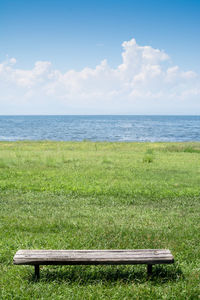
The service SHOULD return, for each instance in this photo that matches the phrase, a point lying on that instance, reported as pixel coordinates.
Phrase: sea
(115, 128)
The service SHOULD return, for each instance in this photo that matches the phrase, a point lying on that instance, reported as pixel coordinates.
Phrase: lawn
(87, 195)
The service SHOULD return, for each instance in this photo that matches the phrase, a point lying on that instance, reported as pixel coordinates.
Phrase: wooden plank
(156, 251)
(91, 252)
(70, 257)
(106, 251)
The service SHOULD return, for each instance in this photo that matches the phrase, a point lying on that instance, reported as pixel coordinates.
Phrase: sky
(100, 57)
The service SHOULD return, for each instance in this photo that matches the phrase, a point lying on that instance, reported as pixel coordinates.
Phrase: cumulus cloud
(144, 78)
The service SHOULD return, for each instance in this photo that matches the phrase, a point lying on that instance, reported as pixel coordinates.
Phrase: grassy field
(85, 195)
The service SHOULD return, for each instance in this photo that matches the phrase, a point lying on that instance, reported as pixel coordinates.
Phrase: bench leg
(149, 269)
(37, 272)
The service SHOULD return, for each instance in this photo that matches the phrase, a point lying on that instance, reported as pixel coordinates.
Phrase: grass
(85, 195)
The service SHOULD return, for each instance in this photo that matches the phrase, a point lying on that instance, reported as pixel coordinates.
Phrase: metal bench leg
(149, 269)
(37, 272)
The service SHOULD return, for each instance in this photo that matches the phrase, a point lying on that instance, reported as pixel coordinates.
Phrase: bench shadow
(84, 275)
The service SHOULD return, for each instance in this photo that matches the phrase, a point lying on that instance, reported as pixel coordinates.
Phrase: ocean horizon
(114, 128)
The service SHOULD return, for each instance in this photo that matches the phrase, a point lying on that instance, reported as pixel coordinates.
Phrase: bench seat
(93, 257)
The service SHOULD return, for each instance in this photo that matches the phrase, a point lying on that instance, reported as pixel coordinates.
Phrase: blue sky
(73, 35)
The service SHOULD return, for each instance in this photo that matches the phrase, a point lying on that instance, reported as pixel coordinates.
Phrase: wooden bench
(93, 257)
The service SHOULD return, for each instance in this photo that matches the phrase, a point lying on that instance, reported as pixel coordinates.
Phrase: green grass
(85, 195)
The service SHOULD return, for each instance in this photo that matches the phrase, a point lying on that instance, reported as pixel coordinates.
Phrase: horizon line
(82, 115)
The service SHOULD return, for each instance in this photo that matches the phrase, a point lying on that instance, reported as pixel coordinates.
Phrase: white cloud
(144, 76)
(12, 61)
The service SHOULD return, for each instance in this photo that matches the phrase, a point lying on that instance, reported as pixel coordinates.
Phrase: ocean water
(100, 128)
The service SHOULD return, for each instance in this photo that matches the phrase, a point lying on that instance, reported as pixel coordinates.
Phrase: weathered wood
(93, 257)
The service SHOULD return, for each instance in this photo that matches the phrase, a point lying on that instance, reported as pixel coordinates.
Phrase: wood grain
(93, 257)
